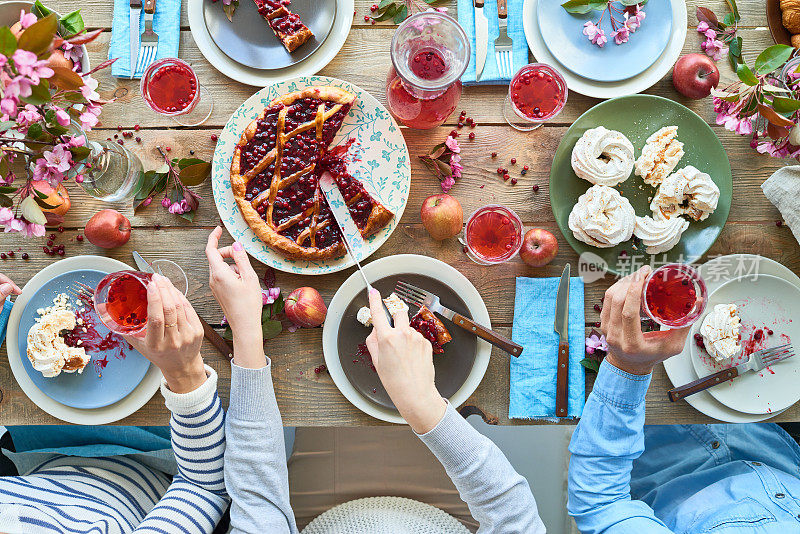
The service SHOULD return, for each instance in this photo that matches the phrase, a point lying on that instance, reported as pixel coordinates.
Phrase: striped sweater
(118, 495)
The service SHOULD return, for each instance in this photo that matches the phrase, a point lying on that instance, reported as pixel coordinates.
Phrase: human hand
(404, 362)
(173, 336)
(629, 348)
(8, 287)
(238, 291)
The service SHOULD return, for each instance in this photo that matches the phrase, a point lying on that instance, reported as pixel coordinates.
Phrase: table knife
(561, 327)
(136, 11)
(481, 39)
(210, 334)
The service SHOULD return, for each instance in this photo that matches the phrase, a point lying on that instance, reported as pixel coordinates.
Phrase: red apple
(304, 307)
(539, 247)
(694, 75)
(442, 216)
(108, 229)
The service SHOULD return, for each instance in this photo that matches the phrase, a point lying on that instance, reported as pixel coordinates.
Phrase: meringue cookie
(603, 157)
(602, 217)
(393, 303)
(47, 351)
(721, 331)
(659, 235)
(686, 192)
(660, 155)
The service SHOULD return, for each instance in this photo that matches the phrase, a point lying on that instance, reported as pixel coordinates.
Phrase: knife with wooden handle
(562, 327)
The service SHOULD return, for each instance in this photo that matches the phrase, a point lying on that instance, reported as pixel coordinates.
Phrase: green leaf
(185, 162)
(583, 6)
(195, 174)
(590, 364)
(39, 36)
(230, 9)
(39, 10)
(390, 12)
(5, 201)
(785, 105)
(189, 216)
(6, 125)
(80, 153)
(8, 43)
(733, 8)
(4, 169)
(56, 129)
(278, 305)
(7, 189)
(71, 23)
(772, 58)
(728, 19)
(35, 130)
(746, 75)
(385, 3)
(401, 14)
(228, 333)
(271, 329)
(40, 94)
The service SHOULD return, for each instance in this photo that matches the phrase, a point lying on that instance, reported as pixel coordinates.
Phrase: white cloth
(783, 190)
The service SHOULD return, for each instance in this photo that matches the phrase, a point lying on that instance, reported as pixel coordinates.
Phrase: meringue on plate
(660, 155)
(721, 331)
(602, 217)
(47, 351)
(688, 191)
(659, 235)
(603, 157)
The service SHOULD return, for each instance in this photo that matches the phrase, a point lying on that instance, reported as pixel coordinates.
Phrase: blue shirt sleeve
(609, 437)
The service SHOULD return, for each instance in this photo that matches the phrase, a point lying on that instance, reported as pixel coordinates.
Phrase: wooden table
(304, 397)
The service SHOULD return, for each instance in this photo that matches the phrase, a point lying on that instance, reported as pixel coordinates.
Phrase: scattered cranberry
(138, 139)
(120, 141)
(513, 181)
(769, 330)
(79, 237)
(778, 223)
(460, 125)
(454, 134)
(597, 308)
(214, 137)
(698, 339)
(366, 18)
(116, 136)
(758, 335)
(535, 188)
(463, 113)
(50, 243)
(3, 256)
(623, 254)
(25, 256)
(10, 253)
(52, 237)
(464, 249)
(374, 7)
(46, 250)
(597, 324)
(119, 128)
(473, 125)
(136, 127)
(372, 21)
(108, 139)
(525, 168)
(513, 161)
(500, 170)
(168, 148)
(60, 229)
(60, 251)
(506, 177)
(472, 135)
(494, 154)
(157, 227)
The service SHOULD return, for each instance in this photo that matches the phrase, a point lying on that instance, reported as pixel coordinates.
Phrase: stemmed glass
(536, 94)
(171, 88)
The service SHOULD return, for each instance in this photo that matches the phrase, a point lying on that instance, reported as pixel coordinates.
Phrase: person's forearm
(498, 497)
(248, 347)
(608, 438)
(255, 460)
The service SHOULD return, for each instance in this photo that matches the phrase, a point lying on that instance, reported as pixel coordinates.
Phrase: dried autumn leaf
(66, 79)
(39, 35)
(773, 117)
(195, 174)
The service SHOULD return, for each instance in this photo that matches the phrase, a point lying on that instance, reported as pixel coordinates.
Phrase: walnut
(791, 20)
(796, 40)
(790, 5)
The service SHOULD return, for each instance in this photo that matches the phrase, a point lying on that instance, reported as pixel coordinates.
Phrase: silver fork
(503, 44)
(420, 297)
(81, 291)
(758, 361)
(149, 41)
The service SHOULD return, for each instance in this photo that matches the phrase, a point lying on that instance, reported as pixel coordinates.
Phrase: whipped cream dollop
(661, 153)
(603, 157)
(721, 331)
(659, 235)
(47, 351)
(602, 217)
(689, 192)
(393, 303)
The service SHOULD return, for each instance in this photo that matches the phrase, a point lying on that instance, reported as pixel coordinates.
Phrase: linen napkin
(4, 315)
(491, 75)
(533, 373)
(783, 190)
(166, 23)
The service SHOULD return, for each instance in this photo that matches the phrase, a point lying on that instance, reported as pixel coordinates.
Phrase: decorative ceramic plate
(109, 377)
(378, 158)
(250, 41)
(680, 369)
(388, 269)
(638, 116)
(261, 77)
(579, 84)
(563, 34)
(124, 407)
(765, 303)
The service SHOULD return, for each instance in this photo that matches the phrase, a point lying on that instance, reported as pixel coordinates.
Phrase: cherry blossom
(6, 216)
(26, 19)
(28, 115)
(62, 117)
(29, 66)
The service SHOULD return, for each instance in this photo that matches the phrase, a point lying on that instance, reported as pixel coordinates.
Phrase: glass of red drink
(674, 295)
(492, 235)
(170, 87)
(430, 52)
(120, 298)
(536, 94)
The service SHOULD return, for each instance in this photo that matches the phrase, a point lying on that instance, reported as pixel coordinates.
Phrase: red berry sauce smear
(93, 341)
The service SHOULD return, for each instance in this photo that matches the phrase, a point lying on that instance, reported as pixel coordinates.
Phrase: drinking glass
(121, 297)
(112, 173)
(536, 94)
(492, 235)
(674, 295)
(171, 88)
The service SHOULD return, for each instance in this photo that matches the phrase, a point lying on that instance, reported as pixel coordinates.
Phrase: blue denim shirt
(719, 479)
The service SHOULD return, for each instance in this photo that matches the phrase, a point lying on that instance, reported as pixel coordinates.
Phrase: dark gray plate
(250, 41)
(452, 366)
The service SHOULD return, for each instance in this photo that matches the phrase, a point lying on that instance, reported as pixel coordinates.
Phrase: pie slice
(432, 328)
(275, 175)
(287, 26)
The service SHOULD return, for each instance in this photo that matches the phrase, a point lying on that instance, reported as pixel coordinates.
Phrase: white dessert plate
(680, 369)
(95, 416)
(765, 303)
(381, 269)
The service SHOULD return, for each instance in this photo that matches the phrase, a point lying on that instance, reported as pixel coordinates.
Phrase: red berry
(494, 154)
(61, 229)
(597, 308)
(61, 252)
(506, 176)
(119, 128)
(25, 256)
(535, 188)
(500, 170)
(214, 137)
(79, 237)
(168, 148)
(513, 181)
(50, 243)
(472, 135)
(524, 167)
(513, 161)
(623, 254)
(778, 223)
(473, 125)
(454, 134)
(366, 18)
(120, 141)
(460, 125)
(52, 236)
(3, 256)
(374, 7)
(136, 127)
(138, 139)
(10, 253)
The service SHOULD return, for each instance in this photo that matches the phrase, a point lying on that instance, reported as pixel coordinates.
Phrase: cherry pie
(287, 25)
(432, 328)
(275, 175)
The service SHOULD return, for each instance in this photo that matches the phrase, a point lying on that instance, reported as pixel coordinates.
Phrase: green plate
(638, 116)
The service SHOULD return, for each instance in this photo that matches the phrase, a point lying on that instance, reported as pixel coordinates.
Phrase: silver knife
(561, 327)
(481, 39)
(136, 11)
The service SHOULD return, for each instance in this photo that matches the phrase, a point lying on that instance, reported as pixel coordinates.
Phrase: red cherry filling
(287, 24)
(302, 111)
(261, 182)
(263, 140)
(428, 330)
(299, 152)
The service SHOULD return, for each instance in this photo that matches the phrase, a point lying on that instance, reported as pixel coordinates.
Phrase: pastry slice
(287, 26)
(432, 328)
(661, 153)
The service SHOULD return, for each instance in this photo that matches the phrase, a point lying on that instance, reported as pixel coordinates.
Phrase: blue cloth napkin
(4, 314)
(533, 373)
(466, 17)
(166, 23)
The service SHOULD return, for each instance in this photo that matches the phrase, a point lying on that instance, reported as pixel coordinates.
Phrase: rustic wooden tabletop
(304, 397)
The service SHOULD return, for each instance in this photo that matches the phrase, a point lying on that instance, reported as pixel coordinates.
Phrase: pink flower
(76, 140)
(714, 48)
(73, 52)
(176, 209)
(88, 88)
(28, 65)
(452, 144)
(43, 171)
(89, 117)
(702, 26)
(455, 165)
(26, 19)
(6, 216)
(621, 35)
(79, 179)
(62, 117)
(8, 106)
(28, 116)
(146, 202)
(595, 343)
(15, 225)
(710, 34)
(59, 159)
(594, 33)
(165, 202)
(33, 230)
(448, 183)
(268, 296)
(3, 60)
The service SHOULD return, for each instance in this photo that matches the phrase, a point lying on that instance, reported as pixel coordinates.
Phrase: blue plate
(562, 32)
(86, 390)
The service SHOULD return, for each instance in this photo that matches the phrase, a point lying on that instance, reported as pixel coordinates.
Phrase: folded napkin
(533, 374)
(466, 17)
(166, 23)
(783, 190)
(4, 314)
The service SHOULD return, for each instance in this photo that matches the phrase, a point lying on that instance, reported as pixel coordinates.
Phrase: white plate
(259, 77)
(388, 266)
(584, 86)
(679, 368)
(97, 416)
(764, 302)
(378, 158)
